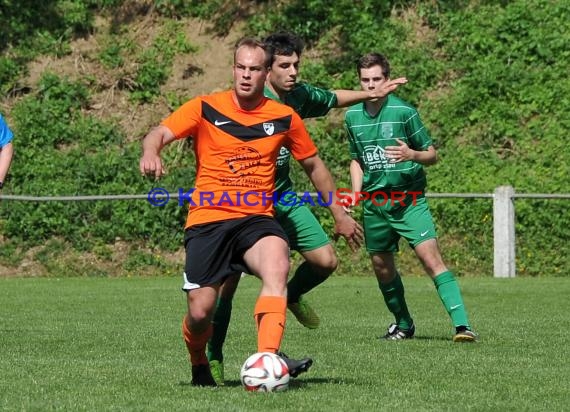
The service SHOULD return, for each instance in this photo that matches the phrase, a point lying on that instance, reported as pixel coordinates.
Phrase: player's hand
(151, 165)
(348, 203)
(399, 153)
(387, 87)
(351, 230)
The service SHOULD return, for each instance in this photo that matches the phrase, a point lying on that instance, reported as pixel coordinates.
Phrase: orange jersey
(236, 151)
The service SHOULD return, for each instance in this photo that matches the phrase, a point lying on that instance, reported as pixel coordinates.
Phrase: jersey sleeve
(316, 101)
(299, 142)
(184, 121)
(351, 142)
(6, 135)
(418, 135)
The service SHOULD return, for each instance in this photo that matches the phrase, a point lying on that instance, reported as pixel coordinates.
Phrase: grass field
(85, 344)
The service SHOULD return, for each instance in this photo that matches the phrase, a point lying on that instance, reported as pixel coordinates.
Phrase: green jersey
(307, 101)
(368, 137)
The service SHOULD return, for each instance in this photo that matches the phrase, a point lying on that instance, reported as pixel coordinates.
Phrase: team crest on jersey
(387, 130)
(269, 128)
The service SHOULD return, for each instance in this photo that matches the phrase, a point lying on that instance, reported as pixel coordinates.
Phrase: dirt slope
(207, 70)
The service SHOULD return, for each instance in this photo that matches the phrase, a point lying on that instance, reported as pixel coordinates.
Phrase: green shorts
(304, 231)
(383, 226)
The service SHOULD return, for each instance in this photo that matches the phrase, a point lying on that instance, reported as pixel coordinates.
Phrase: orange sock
(269, 315)
(196, 343)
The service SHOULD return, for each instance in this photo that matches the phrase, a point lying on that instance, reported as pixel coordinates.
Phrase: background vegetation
(489, 77)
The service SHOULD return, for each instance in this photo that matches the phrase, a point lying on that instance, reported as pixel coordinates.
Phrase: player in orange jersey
(237, 136)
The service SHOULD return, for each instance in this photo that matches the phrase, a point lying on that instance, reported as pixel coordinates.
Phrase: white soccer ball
(265, 372)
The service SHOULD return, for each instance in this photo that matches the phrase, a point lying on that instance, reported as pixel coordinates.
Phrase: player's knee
(275, 287)
(281, 267)
(384, 275)
(198, 319)
(326, 265)
(274, 277)
(435, 269)
(331, 263)
(433, 265)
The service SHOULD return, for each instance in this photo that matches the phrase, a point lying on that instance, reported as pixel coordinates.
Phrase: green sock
(221, 323)
(450, 295)
(304, 280)
(393, 293)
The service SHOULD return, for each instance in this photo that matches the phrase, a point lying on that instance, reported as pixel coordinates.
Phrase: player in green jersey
(389, 146)
(302, 228)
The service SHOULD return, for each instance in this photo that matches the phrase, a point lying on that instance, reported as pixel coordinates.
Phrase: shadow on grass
(438, 338)
(416, 338)
(294, 383)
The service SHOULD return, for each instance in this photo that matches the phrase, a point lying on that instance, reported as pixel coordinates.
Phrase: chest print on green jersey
(375, 158)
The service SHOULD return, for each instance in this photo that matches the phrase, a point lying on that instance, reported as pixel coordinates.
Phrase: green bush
(155, 62)
(489, 78)
(10, 71)
(67, 152)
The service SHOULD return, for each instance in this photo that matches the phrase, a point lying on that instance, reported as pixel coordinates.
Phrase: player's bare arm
(356, 177)
(6, 154)
(321, 178)
(403, 152)
(150, 163)
(347, 98)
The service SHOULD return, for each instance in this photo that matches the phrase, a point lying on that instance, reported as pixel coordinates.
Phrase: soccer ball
(265, 372)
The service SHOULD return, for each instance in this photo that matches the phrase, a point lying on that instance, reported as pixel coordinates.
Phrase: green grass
(114, 344)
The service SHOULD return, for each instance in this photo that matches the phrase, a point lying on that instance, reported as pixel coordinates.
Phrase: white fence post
(504, 232)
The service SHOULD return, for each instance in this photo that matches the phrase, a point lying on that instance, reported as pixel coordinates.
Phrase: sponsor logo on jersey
(375, 158)
(283, 157)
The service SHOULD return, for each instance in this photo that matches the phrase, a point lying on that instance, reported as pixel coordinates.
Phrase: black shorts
(215, 250)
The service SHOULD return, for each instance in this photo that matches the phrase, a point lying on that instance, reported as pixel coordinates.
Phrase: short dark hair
(374, 59)
(253, 43)
(284, 43)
